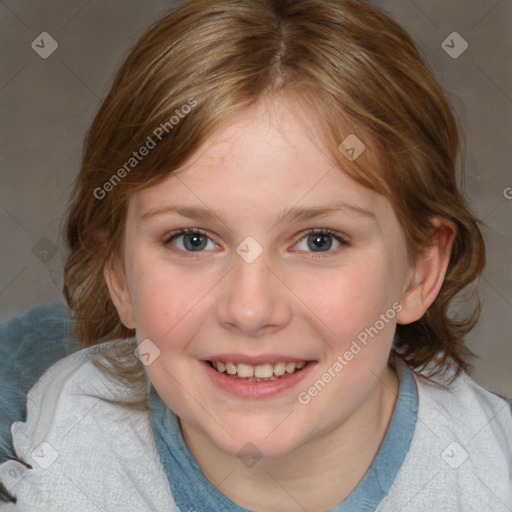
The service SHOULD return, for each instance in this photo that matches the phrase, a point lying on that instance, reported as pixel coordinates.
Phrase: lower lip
(253, 389)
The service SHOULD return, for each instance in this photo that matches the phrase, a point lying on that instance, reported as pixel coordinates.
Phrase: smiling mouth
(261, 373)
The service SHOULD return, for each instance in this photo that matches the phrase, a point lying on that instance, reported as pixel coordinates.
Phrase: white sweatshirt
(90, 455)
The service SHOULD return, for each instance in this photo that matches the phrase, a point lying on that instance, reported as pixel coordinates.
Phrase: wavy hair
(342, 60)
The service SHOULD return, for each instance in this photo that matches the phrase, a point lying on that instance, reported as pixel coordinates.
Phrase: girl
(265, 239)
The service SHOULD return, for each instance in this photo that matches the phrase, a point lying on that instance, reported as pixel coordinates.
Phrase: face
(258, 254)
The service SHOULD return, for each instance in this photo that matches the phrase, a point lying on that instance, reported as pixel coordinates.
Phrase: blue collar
(192, 491)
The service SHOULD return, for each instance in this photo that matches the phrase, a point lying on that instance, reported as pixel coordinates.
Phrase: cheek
(168, 303)
(347, 301)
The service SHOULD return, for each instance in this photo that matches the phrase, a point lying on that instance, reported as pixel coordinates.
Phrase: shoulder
(29, 344)
(79, 437)
(74, 383)
(66, 389)
(39, 335)
(464, 405)
(460, 457)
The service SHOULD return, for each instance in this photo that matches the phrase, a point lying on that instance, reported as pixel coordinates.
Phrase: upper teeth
(262, 371)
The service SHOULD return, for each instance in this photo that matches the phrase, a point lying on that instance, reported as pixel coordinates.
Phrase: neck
(336, 461)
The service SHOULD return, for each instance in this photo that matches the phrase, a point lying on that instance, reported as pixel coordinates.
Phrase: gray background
(48, 104)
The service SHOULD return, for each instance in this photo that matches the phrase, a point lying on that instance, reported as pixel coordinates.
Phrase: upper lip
(255, 360)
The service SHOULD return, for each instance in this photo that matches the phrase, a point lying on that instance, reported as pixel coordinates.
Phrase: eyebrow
(293, 214)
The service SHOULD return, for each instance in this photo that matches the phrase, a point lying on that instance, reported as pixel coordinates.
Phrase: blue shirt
(33, 341)
(192, 491)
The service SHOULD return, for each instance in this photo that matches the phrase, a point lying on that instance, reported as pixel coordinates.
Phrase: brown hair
(342, 60)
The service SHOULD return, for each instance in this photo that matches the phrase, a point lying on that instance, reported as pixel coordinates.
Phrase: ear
(428, 272)
(119, 293)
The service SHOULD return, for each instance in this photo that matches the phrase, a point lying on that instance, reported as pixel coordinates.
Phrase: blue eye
(189, 240)
(194, 240)
(321, 240)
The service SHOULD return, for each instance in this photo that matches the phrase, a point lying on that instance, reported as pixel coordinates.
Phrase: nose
(253, 301)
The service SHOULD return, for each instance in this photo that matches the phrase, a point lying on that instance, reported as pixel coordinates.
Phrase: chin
(248, 445)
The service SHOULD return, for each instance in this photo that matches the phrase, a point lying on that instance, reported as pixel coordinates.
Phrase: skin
(293, 299)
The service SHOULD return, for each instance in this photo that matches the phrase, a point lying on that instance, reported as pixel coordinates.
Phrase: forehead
(267, 158)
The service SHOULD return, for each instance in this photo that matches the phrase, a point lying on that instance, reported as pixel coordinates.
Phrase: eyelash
(193, 231)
